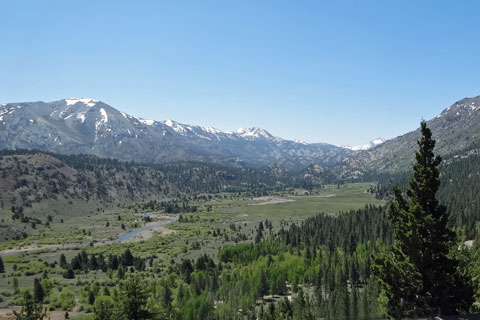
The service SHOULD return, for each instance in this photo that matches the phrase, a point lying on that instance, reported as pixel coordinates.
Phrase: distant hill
(29, 177)
(35, 184)
(87, 126)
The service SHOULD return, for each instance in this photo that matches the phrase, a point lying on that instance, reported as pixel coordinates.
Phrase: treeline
(92, 177)
(84, 262)
(459, 189)
(169, 206)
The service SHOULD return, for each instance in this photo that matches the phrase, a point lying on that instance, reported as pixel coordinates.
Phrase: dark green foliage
(63, 261)
(127, 258)
(330, 253)
(417, 273)
(263, 284)
(83, 261)
(459, 190)
(69, 274)
(103, 308)
(31, 310)
(247, 252)
(2, 267)
(345, 230)
(91, 297)
(166, 296)
(134, 299)
(38, 292)
(198, 308)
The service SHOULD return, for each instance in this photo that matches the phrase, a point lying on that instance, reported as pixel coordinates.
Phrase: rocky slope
(456, 130)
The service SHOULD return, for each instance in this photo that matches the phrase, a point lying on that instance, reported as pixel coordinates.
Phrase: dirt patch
(270, 200)
(147, 234)
(30, 248)
(326, 196)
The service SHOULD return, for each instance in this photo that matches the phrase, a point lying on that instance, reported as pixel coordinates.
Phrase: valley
(220, 219)
(252, 227)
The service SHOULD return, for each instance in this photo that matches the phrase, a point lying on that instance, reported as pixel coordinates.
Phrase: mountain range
(88, 126)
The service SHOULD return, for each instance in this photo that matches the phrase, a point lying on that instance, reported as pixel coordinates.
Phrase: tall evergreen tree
(2, 267)
(31, 310)
(134, 299)
(418, 272)
(103, 308)
(38, 292)
(63, 261)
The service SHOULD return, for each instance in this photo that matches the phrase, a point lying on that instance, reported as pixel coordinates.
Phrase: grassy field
(221, 219)
(329, 200)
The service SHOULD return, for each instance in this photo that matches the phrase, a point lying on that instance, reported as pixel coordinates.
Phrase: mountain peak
(253, 132)
(462, 108)
(85, 101)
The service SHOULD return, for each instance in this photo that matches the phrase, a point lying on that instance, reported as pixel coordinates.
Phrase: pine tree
(134, 299)
(15, 286)
(38, 292)
(2, 267)
(31, 310)
(263, 284)
(103, 308)
(69, 274)
(418, 273)
(166, 296)
(91, 298)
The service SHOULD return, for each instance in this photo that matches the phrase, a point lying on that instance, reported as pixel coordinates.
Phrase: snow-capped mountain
(93, 127)
(367, 146)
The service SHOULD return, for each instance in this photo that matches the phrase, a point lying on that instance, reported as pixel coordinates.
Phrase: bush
(69, 274)
(5, 293)
(67, 299)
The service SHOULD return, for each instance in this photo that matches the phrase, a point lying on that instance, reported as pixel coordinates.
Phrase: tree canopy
(418, 272)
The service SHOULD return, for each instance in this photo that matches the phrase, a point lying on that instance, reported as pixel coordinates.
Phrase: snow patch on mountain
(301, 142)
(253, 133)
(179, 128)
(81, 117)
(102, 120)
(87, 102)
(366, 146)
(147, 122)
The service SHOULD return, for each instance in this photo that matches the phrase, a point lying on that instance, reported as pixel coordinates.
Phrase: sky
(341, 72)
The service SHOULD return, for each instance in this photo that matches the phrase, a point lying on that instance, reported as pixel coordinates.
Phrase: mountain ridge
(456, 130)
(81, 125)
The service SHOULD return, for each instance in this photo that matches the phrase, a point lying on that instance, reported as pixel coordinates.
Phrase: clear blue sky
(341, 72)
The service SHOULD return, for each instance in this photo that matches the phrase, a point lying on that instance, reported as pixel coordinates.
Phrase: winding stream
(122, 238)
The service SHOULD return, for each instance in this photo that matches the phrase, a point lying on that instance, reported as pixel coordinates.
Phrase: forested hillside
(459, 190)
(30, 177)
